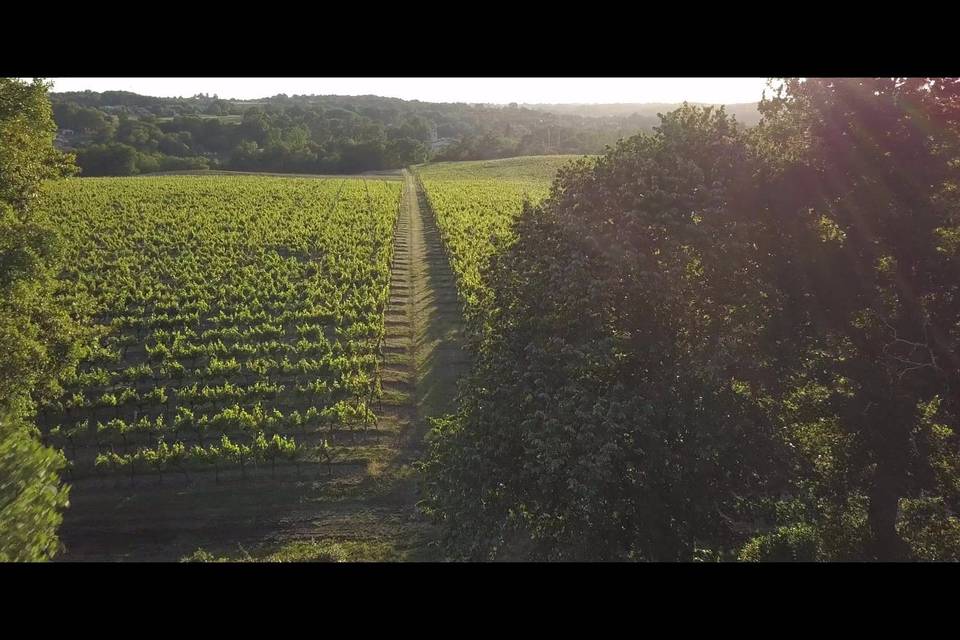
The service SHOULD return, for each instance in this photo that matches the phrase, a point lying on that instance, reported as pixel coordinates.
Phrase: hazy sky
(490, 90)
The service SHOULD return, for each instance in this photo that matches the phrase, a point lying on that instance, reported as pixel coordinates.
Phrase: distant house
(441, 144)
(64, 138)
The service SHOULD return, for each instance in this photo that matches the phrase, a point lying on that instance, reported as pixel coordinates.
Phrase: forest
(116, 133)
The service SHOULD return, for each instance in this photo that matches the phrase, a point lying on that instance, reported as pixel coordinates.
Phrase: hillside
(746, 113)
(117, 133)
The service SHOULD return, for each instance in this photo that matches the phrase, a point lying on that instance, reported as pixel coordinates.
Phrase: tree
(862, 180)
(113, 159)
(401, 152)
(217, 107)
(31, 494)
(88, 120)
(38, 341)
(725, 343)
(621, 315)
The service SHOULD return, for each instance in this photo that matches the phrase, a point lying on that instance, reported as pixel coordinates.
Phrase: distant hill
(745, 112)
(123, 133)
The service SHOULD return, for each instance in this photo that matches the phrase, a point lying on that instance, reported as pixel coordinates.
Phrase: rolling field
(475, 204)
(531, 169)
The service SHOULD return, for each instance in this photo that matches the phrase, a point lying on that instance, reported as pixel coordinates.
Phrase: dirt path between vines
(368, 502)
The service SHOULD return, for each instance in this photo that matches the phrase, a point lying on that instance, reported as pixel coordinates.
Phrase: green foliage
(320, 550)
(114, 159)
(709, 334)
(608, 443)
(930, 530)
(117, 133)
(27, 156)
(37, 338)
(31, 494)
(476, 204)
(202, 555)
(869, 305)
(786, 544)
(120, 159)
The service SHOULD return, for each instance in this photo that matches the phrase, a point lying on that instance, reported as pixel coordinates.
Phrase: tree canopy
(37, 339)
(726, 344)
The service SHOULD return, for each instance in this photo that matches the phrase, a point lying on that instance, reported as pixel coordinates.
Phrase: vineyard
(475, 204)
(710, 343)
(238, 322)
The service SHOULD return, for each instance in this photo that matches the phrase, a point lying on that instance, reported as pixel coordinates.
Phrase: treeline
(745, 112)
(717, 344)
(120, 133)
